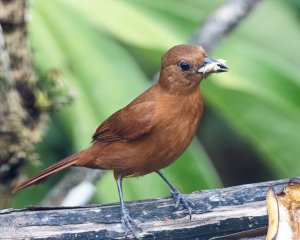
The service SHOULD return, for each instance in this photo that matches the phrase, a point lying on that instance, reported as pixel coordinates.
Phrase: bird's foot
(129, 224)
(180, 199)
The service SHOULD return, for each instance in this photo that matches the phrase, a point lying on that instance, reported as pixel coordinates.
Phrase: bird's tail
(66, 162)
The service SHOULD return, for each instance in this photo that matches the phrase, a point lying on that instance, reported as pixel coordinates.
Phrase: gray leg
(126, 220)
(178, 197)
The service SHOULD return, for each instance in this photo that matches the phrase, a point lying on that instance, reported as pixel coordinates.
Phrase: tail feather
(66, 162)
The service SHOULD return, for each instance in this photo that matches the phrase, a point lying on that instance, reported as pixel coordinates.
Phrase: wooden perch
(216, 213)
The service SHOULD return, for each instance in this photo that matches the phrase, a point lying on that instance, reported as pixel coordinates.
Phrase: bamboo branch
(76, 188)
(216, 213)
(222, 22)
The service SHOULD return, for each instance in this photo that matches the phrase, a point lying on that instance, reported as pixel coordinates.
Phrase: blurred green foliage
(107, 51)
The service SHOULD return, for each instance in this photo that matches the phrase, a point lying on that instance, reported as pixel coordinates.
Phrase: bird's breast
(176, 120)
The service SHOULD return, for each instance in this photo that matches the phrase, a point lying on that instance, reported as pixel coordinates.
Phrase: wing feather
(129, 123)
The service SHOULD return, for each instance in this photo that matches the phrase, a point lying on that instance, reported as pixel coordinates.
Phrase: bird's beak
(213, 66)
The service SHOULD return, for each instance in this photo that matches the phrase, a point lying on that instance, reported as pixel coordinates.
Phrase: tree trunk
(21, 122)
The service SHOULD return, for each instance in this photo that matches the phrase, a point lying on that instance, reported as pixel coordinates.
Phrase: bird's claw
(180, 199)
(129, 224)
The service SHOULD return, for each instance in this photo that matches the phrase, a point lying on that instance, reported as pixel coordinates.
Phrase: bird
(152, 131)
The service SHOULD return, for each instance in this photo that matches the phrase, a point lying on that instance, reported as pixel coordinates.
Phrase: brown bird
(153, 130)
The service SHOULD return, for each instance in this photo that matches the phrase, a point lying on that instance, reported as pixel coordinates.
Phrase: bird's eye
(185, 66)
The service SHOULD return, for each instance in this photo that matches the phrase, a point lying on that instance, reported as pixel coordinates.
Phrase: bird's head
(184, 66)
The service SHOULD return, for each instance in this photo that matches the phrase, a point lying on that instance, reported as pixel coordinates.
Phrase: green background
(104, 53)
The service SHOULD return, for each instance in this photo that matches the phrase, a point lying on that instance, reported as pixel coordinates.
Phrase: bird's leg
(126, 220)
(178, 197)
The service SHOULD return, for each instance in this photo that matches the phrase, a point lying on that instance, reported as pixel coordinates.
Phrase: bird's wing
(129, 123)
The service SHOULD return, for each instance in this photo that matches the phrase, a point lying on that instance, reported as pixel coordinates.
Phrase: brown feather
(129, 123)
(69, 161)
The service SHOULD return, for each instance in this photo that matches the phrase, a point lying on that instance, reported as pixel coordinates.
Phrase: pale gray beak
(213, 66)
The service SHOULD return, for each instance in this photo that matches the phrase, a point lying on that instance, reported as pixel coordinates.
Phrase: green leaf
(260, 95)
